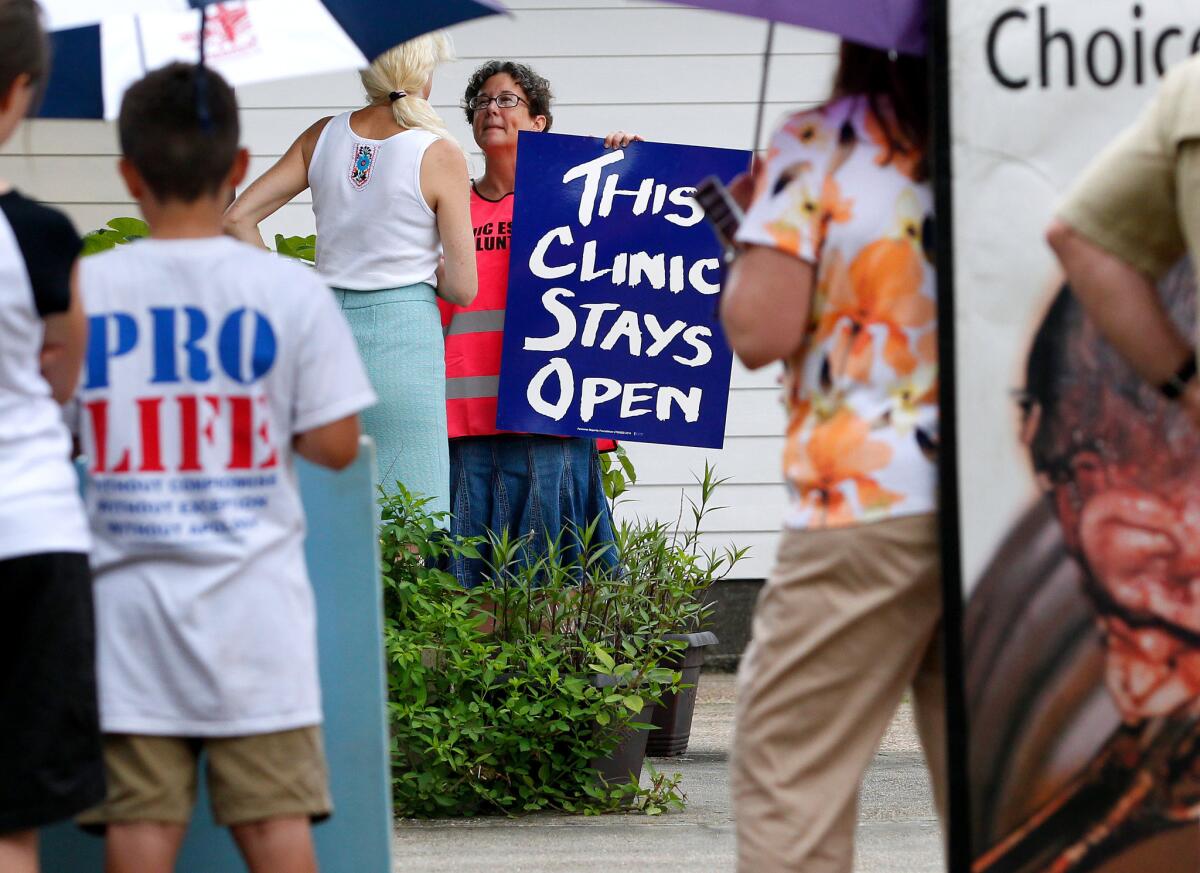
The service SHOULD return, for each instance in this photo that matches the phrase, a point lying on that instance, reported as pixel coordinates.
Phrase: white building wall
(667, 72)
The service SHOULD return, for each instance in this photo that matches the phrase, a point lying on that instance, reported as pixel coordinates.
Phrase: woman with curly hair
(544, 488)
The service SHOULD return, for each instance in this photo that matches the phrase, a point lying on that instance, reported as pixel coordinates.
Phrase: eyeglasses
(504, 100)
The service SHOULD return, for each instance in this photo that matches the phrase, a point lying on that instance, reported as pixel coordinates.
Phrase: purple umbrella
(891, 25)
(885, 24)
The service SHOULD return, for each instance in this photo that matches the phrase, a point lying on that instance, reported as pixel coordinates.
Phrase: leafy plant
(302, 248)
(667, 570)
(617, 472)
(117, 232)
(121, 231)
(502, 698)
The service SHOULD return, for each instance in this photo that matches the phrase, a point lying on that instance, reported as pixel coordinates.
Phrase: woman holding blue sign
(543, 487)
(389, 190)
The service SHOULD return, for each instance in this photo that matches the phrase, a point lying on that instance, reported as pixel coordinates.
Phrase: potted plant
(602, 618)
(511, 698)
(676, 573)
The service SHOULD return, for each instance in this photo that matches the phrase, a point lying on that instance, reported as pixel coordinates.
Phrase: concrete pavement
(898, 830)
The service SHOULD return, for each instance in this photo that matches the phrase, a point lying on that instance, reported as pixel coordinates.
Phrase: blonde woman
(390, 192)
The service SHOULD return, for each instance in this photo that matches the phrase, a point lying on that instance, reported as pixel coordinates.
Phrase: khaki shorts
(253, 778)
(848, 622)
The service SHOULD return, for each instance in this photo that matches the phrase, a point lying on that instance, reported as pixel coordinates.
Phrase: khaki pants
(847, 622)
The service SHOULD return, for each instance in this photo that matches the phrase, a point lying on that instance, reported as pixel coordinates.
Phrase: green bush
(500, 698)
(495, 697)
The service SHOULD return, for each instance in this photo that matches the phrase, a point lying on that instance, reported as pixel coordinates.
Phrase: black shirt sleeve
(50, 247)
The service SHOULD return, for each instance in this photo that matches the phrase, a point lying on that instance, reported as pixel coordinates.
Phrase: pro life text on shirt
(182, 423)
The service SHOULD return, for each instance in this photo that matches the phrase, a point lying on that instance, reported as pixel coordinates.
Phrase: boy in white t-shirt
(210, 363)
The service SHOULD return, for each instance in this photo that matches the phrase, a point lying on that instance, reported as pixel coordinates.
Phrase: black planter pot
(625, 762)
(673, 717)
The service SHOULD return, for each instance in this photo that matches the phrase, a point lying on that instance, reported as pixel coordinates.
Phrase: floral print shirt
(861, 391)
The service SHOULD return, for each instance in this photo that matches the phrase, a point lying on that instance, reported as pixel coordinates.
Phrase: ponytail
(398, 76)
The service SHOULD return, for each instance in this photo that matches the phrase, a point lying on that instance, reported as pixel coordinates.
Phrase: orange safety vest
(474, 334)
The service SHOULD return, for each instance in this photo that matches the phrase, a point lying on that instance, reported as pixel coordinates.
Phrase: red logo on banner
(228, 31)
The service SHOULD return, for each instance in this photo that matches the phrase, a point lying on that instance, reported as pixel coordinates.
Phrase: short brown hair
(181, 155)
(24, 48)
(536, 88)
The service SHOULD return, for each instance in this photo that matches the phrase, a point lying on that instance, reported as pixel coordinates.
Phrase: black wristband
(1174, 387)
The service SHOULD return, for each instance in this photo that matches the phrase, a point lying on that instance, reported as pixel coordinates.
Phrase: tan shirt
(1140, 199)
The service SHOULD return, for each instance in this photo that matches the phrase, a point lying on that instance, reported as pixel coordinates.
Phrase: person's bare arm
(765, 305)
(333, 445)
(1124, 304)
(63, 345)
(446, 186)
(273, 189)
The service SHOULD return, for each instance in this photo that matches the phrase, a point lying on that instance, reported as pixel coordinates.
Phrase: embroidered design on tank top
(363, 163)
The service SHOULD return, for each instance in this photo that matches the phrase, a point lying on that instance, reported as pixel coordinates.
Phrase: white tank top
(374, 228)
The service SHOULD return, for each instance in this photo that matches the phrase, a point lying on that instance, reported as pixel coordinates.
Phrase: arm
(273, 189)
(1125, 305)
(765, 305)
(446, 187)
(63, 345)
(334, 445)
(1119, 228)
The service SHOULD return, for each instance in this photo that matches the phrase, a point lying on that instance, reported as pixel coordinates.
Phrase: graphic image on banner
(1078, 482)
(611, 327)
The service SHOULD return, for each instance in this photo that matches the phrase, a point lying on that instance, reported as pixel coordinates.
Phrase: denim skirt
(543, 488)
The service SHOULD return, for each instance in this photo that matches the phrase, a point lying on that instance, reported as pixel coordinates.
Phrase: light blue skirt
(399, 335)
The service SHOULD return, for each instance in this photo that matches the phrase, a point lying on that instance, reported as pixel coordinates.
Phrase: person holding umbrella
(834, 278)
(390, 192)
(542, 487)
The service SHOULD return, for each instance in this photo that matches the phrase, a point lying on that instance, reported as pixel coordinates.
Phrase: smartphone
(721, 210)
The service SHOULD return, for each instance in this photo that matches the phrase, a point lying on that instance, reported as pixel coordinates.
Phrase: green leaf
(131, 228)
(98, 241)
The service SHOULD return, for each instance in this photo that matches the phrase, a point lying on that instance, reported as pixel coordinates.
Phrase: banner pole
(959, 854)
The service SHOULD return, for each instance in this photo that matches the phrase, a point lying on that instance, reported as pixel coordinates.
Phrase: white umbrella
(246, 42)
(68, 14)
(103, 46)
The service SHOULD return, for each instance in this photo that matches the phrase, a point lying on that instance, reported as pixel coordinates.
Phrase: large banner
(1083, 713)
(612, 294)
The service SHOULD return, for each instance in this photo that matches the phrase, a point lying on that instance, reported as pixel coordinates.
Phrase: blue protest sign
(611, 325)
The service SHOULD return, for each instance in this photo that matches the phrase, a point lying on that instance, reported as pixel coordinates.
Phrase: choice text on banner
(611, 325)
